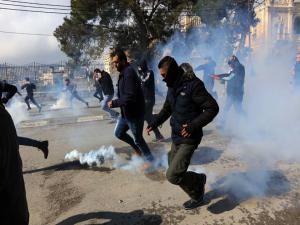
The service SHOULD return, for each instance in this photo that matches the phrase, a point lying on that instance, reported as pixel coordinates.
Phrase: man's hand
(215, 77)
(109, 104)
(149, 129)
(184, 131)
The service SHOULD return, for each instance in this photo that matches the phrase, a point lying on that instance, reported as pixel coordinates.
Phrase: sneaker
(193, 203)
(44, 148)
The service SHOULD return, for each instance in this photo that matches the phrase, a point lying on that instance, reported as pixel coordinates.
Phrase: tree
(235, 17)
(136, 25)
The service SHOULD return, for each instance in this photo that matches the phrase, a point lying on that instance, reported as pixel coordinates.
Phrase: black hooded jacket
(106, 83)
(147, 82)
(187, 102)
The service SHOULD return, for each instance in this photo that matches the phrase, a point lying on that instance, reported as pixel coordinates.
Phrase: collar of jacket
(123, 70)
(183, 77)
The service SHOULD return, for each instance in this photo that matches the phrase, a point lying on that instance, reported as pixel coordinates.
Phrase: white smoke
(107, 155)
(62, 102)
(269, 131)
(17, 110)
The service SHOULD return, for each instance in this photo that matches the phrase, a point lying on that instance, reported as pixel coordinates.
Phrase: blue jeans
(136, 126)
(112, 113)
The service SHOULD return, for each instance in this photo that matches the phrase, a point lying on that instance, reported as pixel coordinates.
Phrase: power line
(35, 11)
(36, 3)
(34, 7)
(25, 33)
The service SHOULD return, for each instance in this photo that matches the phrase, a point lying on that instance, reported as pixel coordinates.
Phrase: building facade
(279, 23)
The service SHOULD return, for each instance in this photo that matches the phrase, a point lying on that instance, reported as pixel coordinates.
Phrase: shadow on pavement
(238, 187)
(205, 155)
(75, 165)
(136, 217)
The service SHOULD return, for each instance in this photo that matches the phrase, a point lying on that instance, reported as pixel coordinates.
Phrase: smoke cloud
(109, 156)
(268, 132)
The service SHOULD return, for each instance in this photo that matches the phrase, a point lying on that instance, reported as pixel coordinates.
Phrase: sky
(24, 49)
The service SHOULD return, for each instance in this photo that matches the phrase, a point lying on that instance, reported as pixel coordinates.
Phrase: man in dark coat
(235, 88)
(148, 86)
(30, 87)
(191, 108)
(13, 203)
(132, 103)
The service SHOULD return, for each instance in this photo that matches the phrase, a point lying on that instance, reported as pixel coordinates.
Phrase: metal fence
(35, 71)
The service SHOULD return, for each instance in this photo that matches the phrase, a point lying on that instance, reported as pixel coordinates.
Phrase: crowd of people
(190, 104)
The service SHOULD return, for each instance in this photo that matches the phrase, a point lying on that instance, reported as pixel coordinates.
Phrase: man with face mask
(191, 108)
(148, 86)
(132, 103)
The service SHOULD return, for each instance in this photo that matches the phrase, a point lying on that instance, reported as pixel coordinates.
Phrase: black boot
(44, 148)
(194, 203)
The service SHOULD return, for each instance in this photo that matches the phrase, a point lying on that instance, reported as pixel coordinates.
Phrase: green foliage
(138, 25)
(135, 25)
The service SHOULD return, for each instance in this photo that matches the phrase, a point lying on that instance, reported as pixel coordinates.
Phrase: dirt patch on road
(62, 196)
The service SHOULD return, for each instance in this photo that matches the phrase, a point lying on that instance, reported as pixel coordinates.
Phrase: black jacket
(188, 102)
(148, 85)
(29, 88)
(235, 86)
(106, 83)
(130, 95)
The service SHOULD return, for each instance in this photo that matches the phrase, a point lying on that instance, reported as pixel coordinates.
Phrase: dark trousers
(179, 160)
(13, 203)
(75, 95)
(98, 94)
(236, 103)
(137, 142)
(31, 98)
(29, 142)
(149, 116)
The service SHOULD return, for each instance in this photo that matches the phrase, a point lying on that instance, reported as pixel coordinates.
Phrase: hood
(173, 74)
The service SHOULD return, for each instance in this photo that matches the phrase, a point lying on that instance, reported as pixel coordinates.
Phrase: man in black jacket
(7, 91)
(148, 86)
(13, 203)
(29, 86)
(132, 103)
(235, 88)
(105, 81)
(191, 108)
